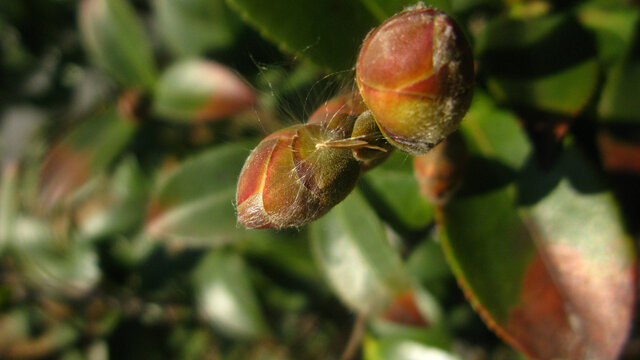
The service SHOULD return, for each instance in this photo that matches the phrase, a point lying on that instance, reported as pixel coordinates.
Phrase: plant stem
(355, 340)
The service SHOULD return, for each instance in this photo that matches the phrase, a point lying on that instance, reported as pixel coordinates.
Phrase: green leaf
(87, 149)
(384, 9)
(469, 5)
(542, 255)
(617, 34)
(19, 126)
(433, 335)
(200, 90)
(427, 266)
(192, 27)
(115, 39)
(71, 270)
(327, 32)
(288, 252)
(132, 251)
(394, 191)
(516, 55)
(614, 29)
(193, 206)
(619, 100)
(123, 205)
(30, 234)
(225, 296)
(566, 92)
(400, 349)
(352, 249)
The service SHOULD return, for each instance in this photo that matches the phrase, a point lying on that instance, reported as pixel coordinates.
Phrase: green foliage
(327, 32)
(125, 125)
(352, 249)
(403, 207)
(193, 204)
(194, 27)
(115, 38)
(225, 296)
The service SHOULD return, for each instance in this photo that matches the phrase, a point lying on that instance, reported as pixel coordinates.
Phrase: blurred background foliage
(124, 125)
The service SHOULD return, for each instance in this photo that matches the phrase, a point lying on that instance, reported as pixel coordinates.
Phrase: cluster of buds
(415, 82)
(297, 174)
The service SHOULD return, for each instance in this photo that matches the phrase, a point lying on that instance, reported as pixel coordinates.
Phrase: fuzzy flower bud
(290, 178)
(379, 149)
(415, 74)
(349, 103)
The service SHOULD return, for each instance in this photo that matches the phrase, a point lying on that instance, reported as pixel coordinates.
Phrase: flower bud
(440, 172)
(365, 128)
(200, 91)
(348, 103)
(290, 179)
(415, 74)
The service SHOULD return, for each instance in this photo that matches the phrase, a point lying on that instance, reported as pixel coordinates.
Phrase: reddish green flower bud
(379, 149)
(348, 103)
(340, 124)
(290, 179)
(440, 172)
(200, 91)
(415, 74)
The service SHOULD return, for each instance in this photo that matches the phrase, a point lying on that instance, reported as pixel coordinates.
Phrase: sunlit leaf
(191, 27)
(542, 255)
(401, 349)
(31, 233)
(70, 270)
(115, 39)
(225, 296)
(194, 205)
(436, 335)
(614, 29)
(618, 102)
(17, 130)
(515, 54)
(327, 32)
(566, 92)
(352, 249)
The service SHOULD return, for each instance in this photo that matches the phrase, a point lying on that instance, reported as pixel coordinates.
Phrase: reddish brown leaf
(404, 310)
(618, 156)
